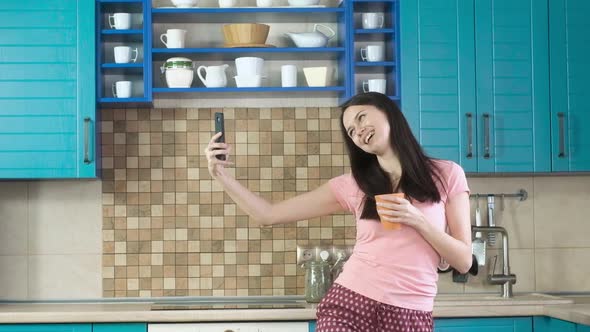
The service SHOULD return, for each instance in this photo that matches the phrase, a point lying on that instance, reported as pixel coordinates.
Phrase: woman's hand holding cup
(384, 209)
(395, 210)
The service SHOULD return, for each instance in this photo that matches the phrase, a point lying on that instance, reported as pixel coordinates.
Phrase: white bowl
(301, 3)
(184, 3)
(252, 81)
(316, 76)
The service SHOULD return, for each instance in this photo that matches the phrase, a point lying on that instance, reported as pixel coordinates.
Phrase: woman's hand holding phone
(213, 151)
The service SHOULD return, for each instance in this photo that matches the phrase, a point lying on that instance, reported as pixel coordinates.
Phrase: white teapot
(315, 38)
(214, 76)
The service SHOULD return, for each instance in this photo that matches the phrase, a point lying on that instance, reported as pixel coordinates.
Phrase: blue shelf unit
(207, 53)
(344, 55)
(341, 89)
(160, 12)
(138, 36)
(360, 70)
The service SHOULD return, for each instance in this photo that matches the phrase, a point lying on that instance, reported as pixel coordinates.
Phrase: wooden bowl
(245, 34)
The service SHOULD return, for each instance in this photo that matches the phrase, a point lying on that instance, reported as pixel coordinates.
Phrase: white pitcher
(214, 76)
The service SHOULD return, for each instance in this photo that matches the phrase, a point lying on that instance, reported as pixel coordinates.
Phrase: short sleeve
(344, 189)
(456, 181)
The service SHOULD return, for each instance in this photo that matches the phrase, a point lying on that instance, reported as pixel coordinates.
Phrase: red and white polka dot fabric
(343, 310)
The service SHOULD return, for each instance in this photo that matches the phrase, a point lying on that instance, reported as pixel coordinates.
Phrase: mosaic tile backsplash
(168, 228)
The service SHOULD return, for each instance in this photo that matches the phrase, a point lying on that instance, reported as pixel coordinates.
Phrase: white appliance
(231, 327)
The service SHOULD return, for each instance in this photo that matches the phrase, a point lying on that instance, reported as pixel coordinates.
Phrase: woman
(389, 282)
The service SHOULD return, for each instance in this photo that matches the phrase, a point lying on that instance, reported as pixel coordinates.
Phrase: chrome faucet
(506, 279)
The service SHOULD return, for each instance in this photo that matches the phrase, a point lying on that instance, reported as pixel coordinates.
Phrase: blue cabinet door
(45, 328)
(47, 98)
(438, 77)
(516, 324)
(570, 93)
(582, 328)
(119, 327)
(312, 325)
(548, 324)
(511, 52)
(475, 82)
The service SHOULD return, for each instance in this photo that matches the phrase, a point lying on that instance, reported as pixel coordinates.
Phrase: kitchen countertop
(575, 310)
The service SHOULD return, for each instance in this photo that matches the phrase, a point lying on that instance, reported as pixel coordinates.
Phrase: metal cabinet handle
(486, 137)
(469, 135)
(561, 118)
(86, 140)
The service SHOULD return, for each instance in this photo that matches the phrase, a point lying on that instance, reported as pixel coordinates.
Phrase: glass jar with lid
(318, 280)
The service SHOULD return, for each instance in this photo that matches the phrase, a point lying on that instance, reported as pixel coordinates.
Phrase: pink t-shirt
(395, 267)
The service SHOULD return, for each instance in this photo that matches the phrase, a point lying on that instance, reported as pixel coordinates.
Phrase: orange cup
(382, 199)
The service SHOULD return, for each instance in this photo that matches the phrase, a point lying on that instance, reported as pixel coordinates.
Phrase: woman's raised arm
(318, 202)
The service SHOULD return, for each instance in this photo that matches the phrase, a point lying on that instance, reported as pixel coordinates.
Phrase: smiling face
(368, 128)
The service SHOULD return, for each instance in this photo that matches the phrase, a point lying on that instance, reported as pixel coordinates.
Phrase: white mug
(174, 38)
(263, 3)
(120, 21)
(288, 76)
(372, 20)
(373, 53)
(227, 3)
(123, 54)
(249, 66)
(374, 85)
(122, 89)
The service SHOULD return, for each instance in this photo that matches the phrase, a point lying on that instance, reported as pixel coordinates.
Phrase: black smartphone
(220, 128)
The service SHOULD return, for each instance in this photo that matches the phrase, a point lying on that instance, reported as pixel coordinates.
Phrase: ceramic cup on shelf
(174, 38)
(249, 66)
(227, 3)
(263, 3)
(375, 85)
(122, 89)
(316, 76)
(120, 21)
(373, 53)
(288, 76)
(372, 20)
(123, 54)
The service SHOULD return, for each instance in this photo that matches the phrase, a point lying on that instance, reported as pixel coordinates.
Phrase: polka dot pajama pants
(343, 310)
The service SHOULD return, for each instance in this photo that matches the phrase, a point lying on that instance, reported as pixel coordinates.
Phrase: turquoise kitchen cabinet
(103, 327)
(475, 81)
(570, 92)
(119, 327)
(438, 76)
(504, 324)
(45, 328)
(548, 324)
(47, 94)
(508, 324)
(512, 75)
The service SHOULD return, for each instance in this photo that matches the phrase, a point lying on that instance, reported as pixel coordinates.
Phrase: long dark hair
(418, 170)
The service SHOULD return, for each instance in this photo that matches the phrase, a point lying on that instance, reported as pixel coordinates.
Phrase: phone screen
(220, 128)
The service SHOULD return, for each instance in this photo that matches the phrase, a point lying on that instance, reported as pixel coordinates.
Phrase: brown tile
(152, 181)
